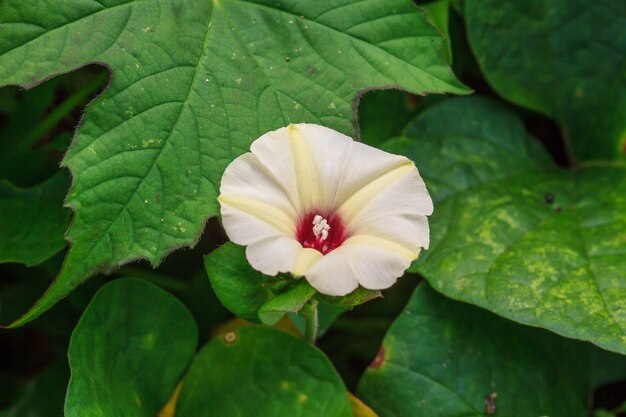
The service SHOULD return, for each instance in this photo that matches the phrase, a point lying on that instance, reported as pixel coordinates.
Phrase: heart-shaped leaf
(514, 233)
(563, 58)
(443, 358)
(256, 371)
(194, 82)
(128, 351)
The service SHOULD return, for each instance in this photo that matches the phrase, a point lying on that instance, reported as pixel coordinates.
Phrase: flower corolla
(313, 202)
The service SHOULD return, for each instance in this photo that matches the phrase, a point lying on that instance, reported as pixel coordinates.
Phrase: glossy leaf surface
(514, 233)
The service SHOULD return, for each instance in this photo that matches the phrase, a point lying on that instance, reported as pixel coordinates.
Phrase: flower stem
(309, 312)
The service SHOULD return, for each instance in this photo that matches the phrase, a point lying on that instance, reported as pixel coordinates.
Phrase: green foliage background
(517, 309)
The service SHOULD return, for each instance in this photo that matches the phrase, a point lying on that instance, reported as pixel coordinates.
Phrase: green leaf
(443, 358)
(563, 58)
(357, 297)
(194, 82)
(382, 114)
(289, 301)
(33, 220)
(515, 234)
(239, 287)
(258, 371)
(438, 12)
(128, 351)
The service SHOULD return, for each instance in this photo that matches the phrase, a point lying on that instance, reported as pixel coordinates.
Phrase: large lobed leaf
(443, 358)
(516, 234)
(193, 83)
(564, 58)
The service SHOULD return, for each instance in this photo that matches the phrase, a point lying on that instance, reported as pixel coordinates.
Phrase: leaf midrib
(165, 142)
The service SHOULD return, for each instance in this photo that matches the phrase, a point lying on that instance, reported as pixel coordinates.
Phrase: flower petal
(273, 255)
(332, 274)
(397, 212)
(312, 168)
(380, 198)
(373, 263)
(305, 258)
(376, 267)
(246, 228)
(368, 172)
(247, 177)
(254, 206)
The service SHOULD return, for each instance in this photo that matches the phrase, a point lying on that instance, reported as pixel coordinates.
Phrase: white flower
(311, 201)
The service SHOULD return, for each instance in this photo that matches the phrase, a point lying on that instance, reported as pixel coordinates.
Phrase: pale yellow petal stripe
(384, 244)
(358, 201)
(305, 258)
(310, 189)
(262, 211)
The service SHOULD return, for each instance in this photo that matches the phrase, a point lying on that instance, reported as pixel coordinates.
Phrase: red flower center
(323, 232)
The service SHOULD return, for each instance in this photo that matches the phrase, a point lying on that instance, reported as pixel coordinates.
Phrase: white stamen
(320, 227)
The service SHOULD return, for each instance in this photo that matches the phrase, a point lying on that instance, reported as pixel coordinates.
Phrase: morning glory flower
(311, 201)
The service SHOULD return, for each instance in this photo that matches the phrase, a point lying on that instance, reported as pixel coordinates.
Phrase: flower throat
(319, 232)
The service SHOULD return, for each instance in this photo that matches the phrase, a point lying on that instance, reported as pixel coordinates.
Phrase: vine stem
(311, 323)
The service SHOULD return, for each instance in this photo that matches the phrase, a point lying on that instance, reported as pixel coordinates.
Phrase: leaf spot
(230, 337)
(490, 403)
(549, 197)
(379, 359)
